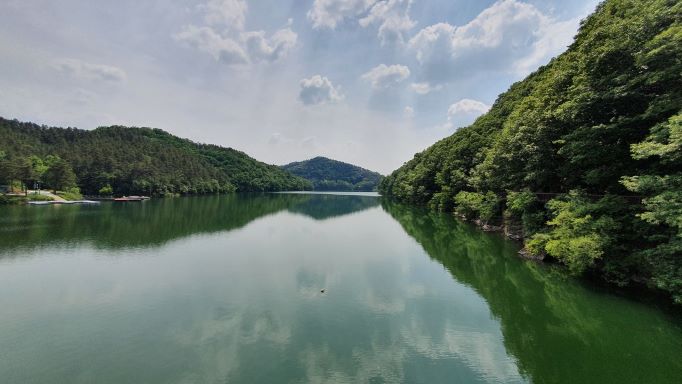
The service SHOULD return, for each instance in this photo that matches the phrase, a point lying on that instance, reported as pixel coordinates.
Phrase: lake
(228, 289)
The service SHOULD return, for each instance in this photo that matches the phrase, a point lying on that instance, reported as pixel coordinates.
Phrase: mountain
(584, 156)
(123, 160)
(331, 175)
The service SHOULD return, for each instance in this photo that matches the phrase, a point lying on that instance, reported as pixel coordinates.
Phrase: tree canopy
(597, 130)
(331, 175)
(122, 160)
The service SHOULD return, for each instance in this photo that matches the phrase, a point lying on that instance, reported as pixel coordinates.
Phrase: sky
(370, 82)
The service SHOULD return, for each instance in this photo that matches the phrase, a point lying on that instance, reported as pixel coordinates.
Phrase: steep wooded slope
(598, 130)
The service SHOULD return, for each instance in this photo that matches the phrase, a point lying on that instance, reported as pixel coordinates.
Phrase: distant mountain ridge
(331, 175)
(131, 160)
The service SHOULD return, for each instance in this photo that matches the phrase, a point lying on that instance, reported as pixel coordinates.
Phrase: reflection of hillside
(557, 330)
(152, 223)
(324, 206)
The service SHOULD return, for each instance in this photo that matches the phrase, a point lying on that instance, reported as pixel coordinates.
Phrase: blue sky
(370, 82)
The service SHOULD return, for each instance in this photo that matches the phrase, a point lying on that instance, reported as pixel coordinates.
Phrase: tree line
(331, 175)
(120, 160)
(34, 172)
(600, 127)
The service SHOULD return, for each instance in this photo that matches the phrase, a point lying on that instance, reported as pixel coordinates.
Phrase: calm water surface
(228, 290)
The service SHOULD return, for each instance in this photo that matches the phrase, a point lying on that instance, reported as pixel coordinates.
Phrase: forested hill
(599, 132)
(331, 175)
(122, 160)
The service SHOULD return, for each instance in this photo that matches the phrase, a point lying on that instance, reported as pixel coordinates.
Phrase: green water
(227, 290)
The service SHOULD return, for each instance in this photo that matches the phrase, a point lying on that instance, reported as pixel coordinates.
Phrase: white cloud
(383, 76)
(269, 49)
(82, 70)
(309, 143)
(235, 46)
(242, 108)
(464, 112)
(330, 13)
(425, 88)
(555, 39)
(205, 39)
(393, 18)
(508, 36)
(278, 138)
(319, 90)
(409, 112)
(230, 13)
(467, 107)
(433, 39)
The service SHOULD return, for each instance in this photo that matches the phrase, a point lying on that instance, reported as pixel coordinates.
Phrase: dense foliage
(597, 131)
(121, 160)
(331, 175)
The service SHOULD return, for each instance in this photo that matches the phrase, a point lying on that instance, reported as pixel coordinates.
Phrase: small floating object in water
(40, 203)
(140, 197)
(131, 198)
(87, 202)
(322, 291)
(62, 202)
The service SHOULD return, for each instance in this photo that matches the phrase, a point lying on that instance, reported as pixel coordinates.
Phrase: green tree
(472, 205)
(144, 160)
(663, 204)
(60, 175)
(24, 172)
(331, 175)
(569, 126)
(39, 167)
(5, 169)
(578, 234)
(525, 207)
(106, 190)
